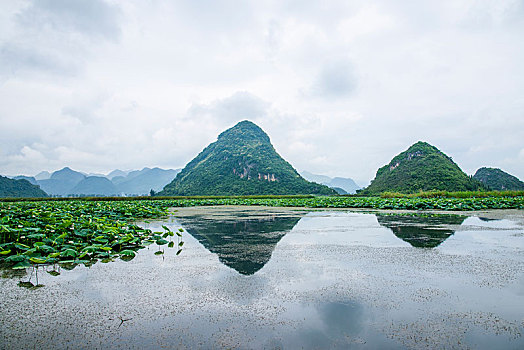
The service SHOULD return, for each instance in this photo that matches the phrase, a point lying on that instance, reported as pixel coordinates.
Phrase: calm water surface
(287, 278)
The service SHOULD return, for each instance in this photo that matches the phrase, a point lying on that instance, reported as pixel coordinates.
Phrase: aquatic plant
(76, 232)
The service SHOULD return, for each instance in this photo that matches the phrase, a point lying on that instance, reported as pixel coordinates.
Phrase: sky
(340, 87)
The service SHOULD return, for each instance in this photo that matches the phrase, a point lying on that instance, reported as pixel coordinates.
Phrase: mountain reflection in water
(422, 231)
(243, 243)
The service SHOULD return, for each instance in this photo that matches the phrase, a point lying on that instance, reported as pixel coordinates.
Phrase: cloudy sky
(340, 86)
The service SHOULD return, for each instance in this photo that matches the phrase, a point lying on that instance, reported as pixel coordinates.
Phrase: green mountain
(498, 180)
(31, 179)
(422, 167)
(19, 188)
(241, 162)
(94, 186)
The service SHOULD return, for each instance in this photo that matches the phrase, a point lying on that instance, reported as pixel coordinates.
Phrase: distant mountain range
(241, 162)
(68, 182)
(342, 185)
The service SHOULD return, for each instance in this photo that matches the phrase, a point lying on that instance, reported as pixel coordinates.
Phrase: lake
(256, 277)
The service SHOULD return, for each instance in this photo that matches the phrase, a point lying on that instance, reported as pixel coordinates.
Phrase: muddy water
(290, 278)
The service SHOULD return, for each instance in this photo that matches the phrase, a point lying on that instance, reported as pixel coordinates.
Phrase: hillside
(19, 188)
(498, 180)
(61, 182)
(31, 179)
(241, 162)
(422, 167)
(95, 186)
(143, 181)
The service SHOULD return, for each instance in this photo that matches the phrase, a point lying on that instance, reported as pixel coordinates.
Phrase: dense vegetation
(498, 180)
(76, 232)
(241, 162)
(19, 188)
(422, 167)
(84, 231)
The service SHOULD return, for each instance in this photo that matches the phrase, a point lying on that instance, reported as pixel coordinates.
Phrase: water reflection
(244, 243)
(422, 231)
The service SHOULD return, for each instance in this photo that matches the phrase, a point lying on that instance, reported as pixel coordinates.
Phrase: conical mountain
(241, 162)
(422, 167)
(498, 180)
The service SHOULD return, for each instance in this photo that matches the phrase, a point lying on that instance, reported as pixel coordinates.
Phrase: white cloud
(339, 86)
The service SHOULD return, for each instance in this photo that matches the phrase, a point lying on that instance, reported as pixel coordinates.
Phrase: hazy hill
(319, 179)
(496, 179)
(344, 183)
(43, 175)
(115, 173)
(61, 182)
(67, 182)
(95, 186)
(31, 179)
(422, 167)
(241, 162)
(141, 182)
(19, 188)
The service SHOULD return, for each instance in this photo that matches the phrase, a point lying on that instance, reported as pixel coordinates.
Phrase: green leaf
(69, 252)
(127, 252)
(37, 260)
(159, 252)
(5, 252)
(21, 265)
(161, 242)
(171, 244)
(15, 258)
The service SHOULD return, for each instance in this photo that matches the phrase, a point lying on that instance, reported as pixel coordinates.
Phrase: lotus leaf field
(85, 231)
(76, 232)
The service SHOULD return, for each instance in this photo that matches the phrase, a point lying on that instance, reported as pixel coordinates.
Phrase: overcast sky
(339, 86)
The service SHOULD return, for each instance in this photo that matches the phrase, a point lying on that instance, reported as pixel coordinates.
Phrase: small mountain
(95, 186)
(346, 184)
(61, 182)
(31, 179)
(498, 180)
(319, 179)
(241, 162)
(43, 175)
(339, 190)
(115, 173)
(67, 174)
(143, 181)
(422, 167)
(19, 188)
